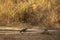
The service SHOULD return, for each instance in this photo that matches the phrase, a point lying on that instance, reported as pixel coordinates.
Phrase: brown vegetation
(42, 13)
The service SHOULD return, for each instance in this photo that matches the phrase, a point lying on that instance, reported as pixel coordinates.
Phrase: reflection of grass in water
(32, 36)
(37, 12)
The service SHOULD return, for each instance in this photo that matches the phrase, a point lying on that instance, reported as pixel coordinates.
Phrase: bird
(46, 32)
(23, 30)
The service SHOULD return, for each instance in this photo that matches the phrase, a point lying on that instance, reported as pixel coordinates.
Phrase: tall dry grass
(42, 13)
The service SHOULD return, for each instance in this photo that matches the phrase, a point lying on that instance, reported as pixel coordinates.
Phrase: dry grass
(41, 13)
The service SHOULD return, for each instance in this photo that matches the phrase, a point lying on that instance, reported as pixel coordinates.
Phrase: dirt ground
(30, 36)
